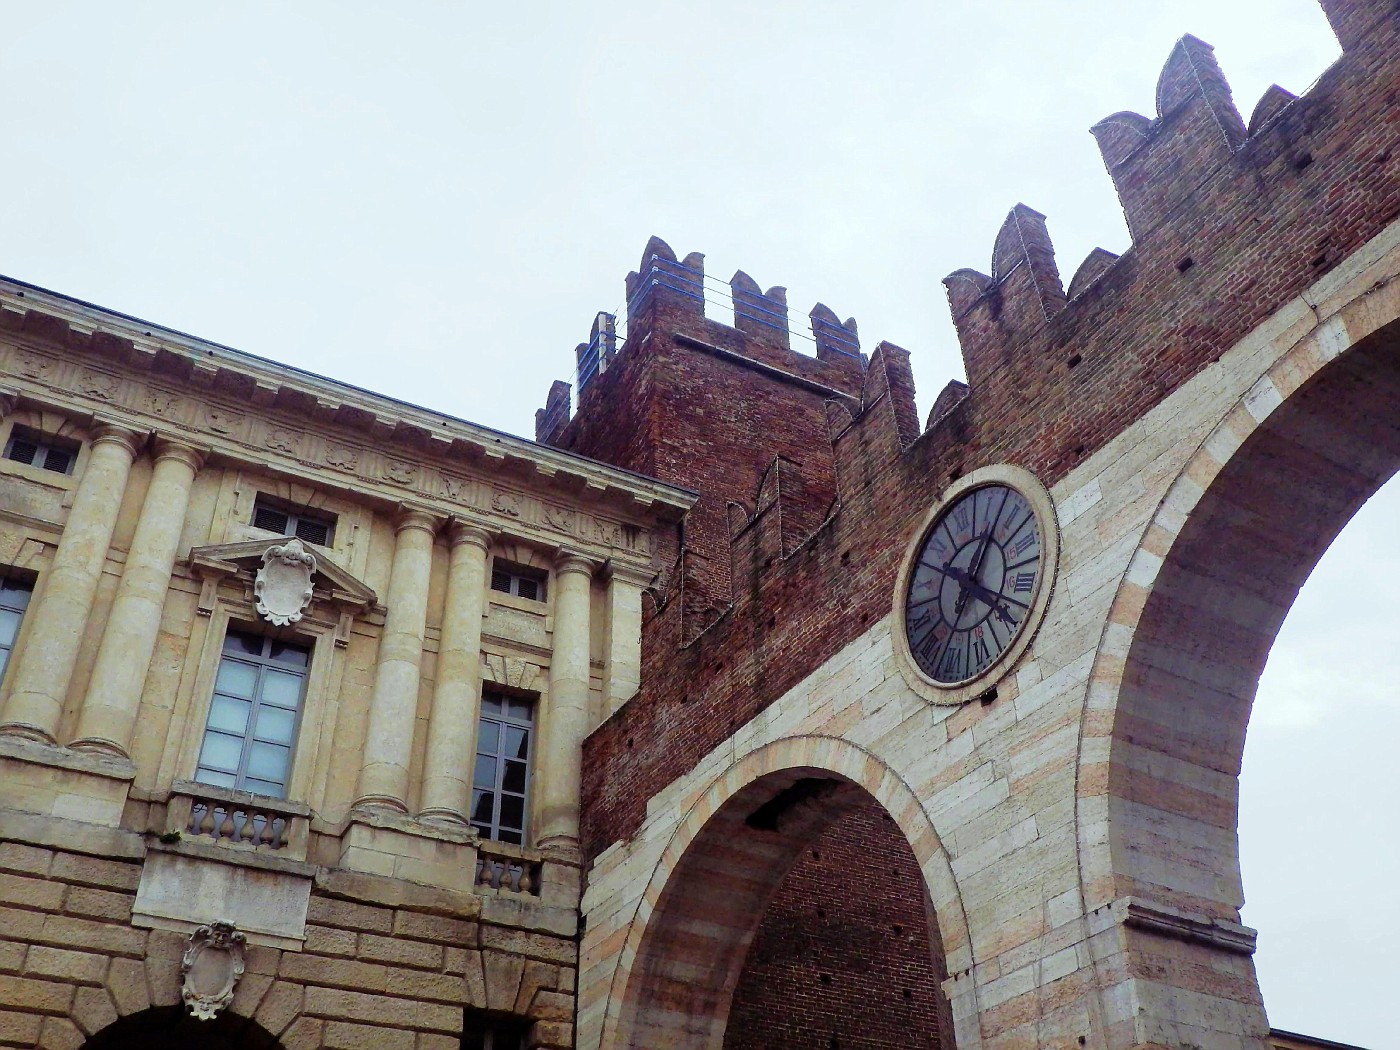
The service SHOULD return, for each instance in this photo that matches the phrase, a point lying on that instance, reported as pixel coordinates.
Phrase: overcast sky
(432, 200)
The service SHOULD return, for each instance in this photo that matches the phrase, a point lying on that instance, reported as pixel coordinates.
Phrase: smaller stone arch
(678, 966)
(173, 1028)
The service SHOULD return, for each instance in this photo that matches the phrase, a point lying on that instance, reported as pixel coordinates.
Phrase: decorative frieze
(74, 383)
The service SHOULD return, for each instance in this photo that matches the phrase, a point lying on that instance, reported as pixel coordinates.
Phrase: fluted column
(394, 704)
(58, 620)
(566, 721)
(447, 769)
(623, 648)
(133, 624)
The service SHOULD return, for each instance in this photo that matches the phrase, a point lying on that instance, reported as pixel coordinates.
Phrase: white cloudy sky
(431, 200)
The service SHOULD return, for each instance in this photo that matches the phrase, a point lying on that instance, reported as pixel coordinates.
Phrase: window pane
(529, 589)
(275, 724)
(489, 738)
(492, 704)
(513, 837)
(213, 776)
(15, 595)
(58, 460)
(281, 688)
(9, 626)
(268, 761)
(290, 654)
(265, 787)
(521, 710)
(485, 772)
(517, 742)
(236, 679)
(4, 661)
(221, 751)
(243, 643)
(483, 803)
(229, 714)
(512, 811)
(514, 778)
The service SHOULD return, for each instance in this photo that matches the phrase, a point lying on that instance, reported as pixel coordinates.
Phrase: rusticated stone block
(279, 1007)
(93, 1009)
(551, 1035)
(59, 1033)
(98, 904)
(88, 933)
(79, 967)
(435, 928)
(326, 940)
(335, 1004)
(24, 892)
(341, 1035)
(336, 973)
(92, 871)
(552, 1006)
(126, 980)
(48, 997)
(401, 951)
(24, 859)
(20, 1029)
(536, 975)
(327, 911)
(306, 1033)
(416, 984)
(529, 945)
(503, 973)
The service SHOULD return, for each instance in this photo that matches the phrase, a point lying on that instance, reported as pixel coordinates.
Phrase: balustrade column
(133, 623)
(451, 755)
(566, 719)
(58, 620)
(394, 704)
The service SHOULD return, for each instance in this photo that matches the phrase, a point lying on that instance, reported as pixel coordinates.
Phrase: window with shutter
(307, 526)
(519, 580)
(46, 451)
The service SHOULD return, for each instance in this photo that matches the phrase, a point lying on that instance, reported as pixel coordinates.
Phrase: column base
(443, 816)
(97, 745)
(379, 803)
(28, 731)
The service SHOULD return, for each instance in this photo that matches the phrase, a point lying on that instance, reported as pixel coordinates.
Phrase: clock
(976, 581)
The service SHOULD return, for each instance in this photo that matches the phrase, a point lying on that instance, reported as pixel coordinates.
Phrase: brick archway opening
(1222, 591)
(799, 914)
(173, 1028)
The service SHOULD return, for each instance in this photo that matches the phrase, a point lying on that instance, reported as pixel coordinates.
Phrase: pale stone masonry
(374, 913)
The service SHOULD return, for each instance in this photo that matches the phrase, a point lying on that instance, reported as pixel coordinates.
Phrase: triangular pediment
(330, 580)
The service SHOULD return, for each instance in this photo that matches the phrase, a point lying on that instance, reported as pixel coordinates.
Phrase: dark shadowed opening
(172, 1028)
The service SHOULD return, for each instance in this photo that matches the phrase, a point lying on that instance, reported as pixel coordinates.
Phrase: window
(502, 776)
(14, 599)
(42, 450)
(518, 580)
(307, 526)
(254, 714)
(491, 1033)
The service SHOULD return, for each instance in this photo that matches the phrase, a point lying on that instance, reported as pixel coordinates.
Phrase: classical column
(447, 769)
(58, 620)
(394, 704)
(566, 719)
(133, 624)
(623, 646)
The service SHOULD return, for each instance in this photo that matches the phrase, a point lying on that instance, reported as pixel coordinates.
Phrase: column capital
(567, 561)
(411, 516)
(9, 400)
(460, 531)
(638, 577)
(173, 448)
(106, 433)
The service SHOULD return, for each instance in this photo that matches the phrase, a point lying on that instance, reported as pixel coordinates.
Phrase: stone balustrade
(504, 869)
(237, 819)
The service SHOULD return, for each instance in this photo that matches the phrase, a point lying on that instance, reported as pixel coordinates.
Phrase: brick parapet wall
(1260, 224)
(386, 963)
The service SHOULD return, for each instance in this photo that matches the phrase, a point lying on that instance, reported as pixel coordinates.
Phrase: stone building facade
(288, 655)
(786, 818)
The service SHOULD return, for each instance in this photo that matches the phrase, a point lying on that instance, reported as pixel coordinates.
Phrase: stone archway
(1216, 573)
(173, 1028)
(712, 889)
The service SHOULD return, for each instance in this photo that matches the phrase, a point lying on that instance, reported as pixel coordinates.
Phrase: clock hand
(984, 594)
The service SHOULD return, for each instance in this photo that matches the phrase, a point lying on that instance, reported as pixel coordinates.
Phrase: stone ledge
(1166, 921)
(71, 836)
(22, 749)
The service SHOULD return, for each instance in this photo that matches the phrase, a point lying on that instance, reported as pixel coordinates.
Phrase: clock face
(973, 584)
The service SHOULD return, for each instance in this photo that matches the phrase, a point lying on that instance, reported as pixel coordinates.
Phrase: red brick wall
(1258, 226)
(843, 957)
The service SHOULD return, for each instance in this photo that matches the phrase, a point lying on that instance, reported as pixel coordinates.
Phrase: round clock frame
(1029, 488)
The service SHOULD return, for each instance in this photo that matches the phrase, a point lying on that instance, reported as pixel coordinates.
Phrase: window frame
(295, 518)
(514, 573)
(264, 662)
(493, 829)
(10, 584)
(493, 1032)
(44, 444)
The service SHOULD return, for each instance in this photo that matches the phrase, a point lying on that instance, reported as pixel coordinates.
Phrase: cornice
(196, 366)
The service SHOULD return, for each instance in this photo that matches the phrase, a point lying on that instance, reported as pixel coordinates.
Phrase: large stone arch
(676, 967)
(1216, 571)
